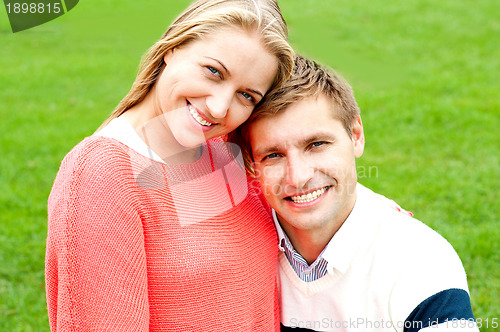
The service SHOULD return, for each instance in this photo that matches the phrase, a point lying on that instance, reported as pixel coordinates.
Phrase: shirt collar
(281, 233)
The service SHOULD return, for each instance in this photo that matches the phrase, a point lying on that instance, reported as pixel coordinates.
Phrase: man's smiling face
(305, 162)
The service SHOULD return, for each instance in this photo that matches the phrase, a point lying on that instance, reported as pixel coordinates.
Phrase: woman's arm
(96, 277)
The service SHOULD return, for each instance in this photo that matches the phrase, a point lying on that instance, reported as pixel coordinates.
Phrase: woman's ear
(358, 137)
(168, 55)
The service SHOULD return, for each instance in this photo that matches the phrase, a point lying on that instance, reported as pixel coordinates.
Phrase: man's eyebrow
(265, 150)
(229, 74)
(317, 137)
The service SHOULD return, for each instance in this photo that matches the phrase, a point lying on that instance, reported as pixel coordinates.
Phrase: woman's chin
(190, 141)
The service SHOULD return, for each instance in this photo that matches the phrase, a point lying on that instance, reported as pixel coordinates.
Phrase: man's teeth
(308, 197)
(198, 118)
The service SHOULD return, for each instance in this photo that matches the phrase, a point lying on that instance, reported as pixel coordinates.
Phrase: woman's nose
(218, 103)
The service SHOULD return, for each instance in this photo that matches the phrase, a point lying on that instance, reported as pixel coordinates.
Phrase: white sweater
(387, 272)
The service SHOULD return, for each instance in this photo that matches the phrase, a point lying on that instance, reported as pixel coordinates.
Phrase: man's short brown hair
(309, 79)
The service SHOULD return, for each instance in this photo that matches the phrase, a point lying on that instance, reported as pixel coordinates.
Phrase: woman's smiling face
(211, 85)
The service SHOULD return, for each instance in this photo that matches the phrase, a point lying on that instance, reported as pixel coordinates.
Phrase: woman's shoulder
(97, 150)
(98, 146)
(95, 166)
(95, 157)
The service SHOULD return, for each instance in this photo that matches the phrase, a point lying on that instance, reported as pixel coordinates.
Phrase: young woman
(152, 224)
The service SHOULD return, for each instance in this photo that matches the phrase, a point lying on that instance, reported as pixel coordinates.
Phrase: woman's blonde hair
(201, 18)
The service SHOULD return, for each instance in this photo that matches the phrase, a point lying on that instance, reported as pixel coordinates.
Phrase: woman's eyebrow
(256, 92)
(220, 63)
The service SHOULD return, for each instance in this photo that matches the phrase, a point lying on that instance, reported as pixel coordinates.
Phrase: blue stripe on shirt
(294, 329)
(440, 308)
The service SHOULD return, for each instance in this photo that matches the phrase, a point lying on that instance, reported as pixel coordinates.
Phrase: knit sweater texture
(138, 245)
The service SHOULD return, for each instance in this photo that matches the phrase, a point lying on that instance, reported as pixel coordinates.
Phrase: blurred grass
(425, 74)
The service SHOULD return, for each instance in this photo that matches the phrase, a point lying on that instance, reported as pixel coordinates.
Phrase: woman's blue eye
(246, 96)
(213, 70)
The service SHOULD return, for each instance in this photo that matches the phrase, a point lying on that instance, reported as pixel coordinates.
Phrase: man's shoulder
(423, 267)
(384, 211)
(403, 236)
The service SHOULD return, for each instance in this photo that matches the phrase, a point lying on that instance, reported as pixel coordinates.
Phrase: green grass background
(425, 74)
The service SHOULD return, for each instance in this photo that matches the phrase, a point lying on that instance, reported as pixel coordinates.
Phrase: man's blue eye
(316, 144)
(271, 156)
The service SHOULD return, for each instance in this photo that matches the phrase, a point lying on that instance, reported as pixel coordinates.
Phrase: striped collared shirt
(305, 271)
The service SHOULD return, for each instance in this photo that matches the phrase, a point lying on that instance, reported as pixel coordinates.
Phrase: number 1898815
(33, 8)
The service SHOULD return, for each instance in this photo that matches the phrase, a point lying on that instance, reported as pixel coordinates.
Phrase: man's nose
(299, 171)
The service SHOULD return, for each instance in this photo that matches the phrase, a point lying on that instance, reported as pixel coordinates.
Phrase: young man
(348, 260)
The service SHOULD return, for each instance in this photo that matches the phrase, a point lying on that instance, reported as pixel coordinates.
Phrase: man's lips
(307, 196)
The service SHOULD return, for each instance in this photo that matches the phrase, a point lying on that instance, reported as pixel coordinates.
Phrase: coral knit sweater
(138, 245)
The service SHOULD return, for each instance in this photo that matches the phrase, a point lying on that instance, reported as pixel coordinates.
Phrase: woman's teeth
(308, 197)
(198, 118)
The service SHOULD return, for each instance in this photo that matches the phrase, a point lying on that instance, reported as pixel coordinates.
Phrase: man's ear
(358, 137)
